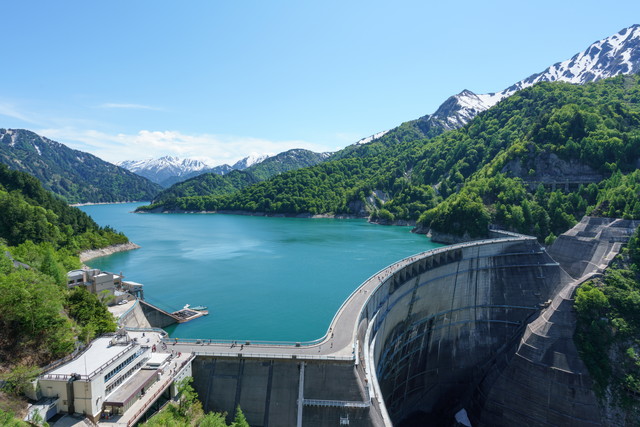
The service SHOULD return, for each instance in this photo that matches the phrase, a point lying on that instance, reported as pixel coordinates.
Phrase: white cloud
(215, 149)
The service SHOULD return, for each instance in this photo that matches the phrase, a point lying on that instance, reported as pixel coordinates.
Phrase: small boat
(196, 307)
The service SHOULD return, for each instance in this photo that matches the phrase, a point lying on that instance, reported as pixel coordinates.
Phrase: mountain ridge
(168, 170)
(608, 57)
(77, 176)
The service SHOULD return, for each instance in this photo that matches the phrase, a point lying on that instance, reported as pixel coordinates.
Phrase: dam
(484, 326)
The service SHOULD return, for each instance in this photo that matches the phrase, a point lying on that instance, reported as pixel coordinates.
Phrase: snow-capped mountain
(614, 55)
(158, 170)
(250, 160)
(168, 170)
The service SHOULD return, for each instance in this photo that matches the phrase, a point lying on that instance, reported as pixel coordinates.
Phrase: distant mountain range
(168, 170)
(75, 175)
(237, 179)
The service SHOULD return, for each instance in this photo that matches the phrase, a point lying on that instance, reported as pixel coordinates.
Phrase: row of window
(122, 365)
(119, 381)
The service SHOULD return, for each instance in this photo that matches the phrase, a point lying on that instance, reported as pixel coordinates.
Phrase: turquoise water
(262, 278)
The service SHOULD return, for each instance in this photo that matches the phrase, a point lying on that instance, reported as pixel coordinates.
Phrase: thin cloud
(128, 106)
(12, 111)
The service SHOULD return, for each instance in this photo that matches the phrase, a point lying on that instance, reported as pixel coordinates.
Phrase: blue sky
(223, 79)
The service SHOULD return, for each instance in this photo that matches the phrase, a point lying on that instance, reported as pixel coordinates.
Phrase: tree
(187, 395)
(18, 380)
(213, 419)
(7, 419)
(239, 420)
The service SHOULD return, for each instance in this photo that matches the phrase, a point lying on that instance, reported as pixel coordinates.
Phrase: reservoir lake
(262, 278)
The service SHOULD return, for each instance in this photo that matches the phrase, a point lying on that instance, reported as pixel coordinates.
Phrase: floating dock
(187, 314)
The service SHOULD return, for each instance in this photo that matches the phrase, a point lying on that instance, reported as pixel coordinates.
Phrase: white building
(110, 375)
(97, 281)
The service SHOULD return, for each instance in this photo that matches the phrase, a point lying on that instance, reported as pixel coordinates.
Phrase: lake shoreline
(401, 223)
(76, 205)
(109, 250)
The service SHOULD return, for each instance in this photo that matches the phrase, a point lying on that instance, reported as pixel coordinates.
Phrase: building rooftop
(127, 391)
(157, 359)
(99, 353)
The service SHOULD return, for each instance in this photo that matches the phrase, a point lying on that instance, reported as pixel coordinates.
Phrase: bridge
(420, 340)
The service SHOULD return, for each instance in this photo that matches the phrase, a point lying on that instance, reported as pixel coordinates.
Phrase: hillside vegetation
(500, 168)
(608, 332)
(40, 319)
(213, 184)
(76, 176)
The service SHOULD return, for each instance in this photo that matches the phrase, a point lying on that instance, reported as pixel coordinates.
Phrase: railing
(144, 407)
(273, 355)
(162, 388)
(124, 316)
(90, 375)
(156, 330)
(238, 343)
(336, 403)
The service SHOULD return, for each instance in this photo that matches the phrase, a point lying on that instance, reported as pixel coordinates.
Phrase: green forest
(40, 319)
(498, 169)
(218, 185)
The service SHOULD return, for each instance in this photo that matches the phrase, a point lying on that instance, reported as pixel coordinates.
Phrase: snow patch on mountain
(614, 55)
(250, 160)
(371, 138)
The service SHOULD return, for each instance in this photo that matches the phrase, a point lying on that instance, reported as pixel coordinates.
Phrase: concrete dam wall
(269, 390)
(432, 330)
(486, 326)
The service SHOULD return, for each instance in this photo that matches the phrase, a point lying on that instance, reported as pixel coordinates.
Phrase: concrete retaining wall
(135, 318)
(156, 317)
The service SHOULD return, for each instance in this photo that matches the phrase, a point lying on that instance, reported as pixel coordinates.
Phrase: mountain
(410, 169)
(609, 57)
(249, 161)
(168, 170)
(212, 184)
(296, 158)
(75, 175)
(501, 168)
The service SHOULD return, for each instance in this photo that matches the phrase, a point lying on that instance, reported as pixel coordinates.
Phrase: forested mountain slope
(213, 184)
(75, 175)
(40, 237)
(533, 137)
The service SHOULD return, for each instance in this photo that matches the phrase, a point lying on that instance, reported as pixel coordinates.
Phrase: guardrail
(273, 356)
(336, 403)
(156, 330)
(162, 388)
(90, 375)
(238, 343)
(124, 316)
